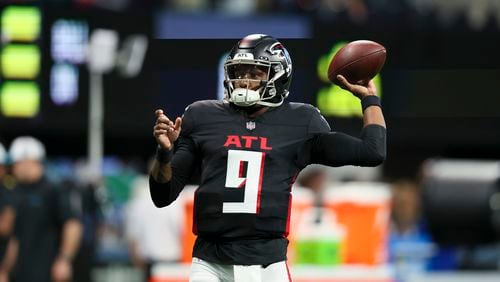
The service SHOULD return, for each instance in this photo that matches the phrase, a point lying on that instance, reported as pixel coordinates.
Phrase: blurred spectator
(189, 5)
(406, 207)
(3, 161)
(237, 7)
(6, 180)
(7, 216)
(410, 246)
(314, 178)
(91, 217)
(154, 235)
(47, 226)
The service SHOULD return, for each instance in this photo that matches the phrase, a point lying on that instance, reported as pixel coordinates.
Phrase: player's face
(249, 76)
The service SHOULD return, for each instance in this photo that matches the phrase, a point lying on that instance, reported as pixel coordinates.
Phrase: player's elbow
(376, 157)
(160, 200)
(159, 193)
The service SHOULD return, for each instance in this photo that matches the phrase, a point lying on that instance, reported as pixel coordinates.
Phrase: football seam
(361, 58)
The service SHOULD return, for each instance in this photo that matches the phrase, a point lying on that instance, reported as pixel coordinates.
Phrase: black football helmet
(268, 54)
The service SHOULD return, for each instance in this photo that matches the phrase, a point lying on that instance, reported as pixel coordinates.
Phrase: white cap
(3, 155)
(26, 148)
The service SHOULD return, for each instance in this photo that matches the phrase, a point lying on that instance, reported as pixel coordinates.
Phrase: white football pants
(203, 271)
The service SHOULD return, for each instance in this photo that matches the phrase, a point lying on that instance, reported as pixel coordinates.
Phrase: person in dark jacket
(47, 226)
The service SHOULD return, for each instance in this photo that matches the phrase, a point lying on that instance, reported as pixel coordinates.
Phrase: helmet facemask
(256, 91)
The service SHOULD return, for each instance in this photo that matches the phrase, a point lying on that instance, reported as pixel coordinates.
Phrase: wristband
(371, 100)
(163, 155)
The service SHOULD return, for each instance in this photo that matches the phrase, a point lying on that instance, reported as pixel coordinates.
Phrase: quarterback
(249, 149)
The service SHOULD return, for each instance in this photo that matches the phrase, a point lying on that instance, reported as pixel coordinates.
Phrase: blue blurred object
(410, 251)
(414, 252)
(219, 26)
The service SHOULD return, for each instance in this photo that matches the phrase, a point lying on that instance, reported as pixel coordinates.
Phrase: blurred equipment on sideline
(103, 57)
(461, 200)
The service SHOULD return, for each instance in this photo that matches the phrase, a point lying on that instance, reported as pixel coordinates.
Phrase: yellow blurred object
(21, 23)
(19, 99)
(20, 61)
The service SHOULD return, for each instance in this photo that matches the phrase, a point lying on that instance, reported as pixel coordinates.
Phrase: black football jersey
(248, 165)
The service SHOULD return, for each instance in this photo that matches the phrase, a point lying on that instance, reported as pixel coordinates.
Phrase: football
(359, 61)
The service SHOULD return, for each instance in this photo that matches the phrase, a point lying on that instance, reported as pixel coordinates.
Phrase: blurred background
(85, 76)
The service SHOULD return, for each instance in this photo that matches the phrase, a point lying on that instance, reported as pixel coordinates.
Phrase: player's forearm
(160, 183)
(71, 237)
(170, 172)
(161, 187)
(374, 148)
(161, 172)
(373, 115)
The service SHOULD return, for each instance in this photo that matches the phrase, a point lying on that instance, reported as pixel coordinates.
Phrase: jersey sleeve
(184, 162)
(317, 125)
(338, 149)
(188, 120)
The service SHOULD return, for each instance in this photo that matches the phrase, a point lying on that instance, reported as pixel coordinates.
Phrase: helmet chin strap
(269, 104)
(276, 104)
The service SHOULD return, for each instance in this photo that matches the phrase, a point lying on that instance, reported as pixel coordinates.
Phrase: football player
(250, 148)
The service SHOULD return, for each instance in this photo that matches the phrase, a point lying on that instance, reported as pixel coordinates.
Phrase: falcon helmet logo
(250, 125)
(278, 49)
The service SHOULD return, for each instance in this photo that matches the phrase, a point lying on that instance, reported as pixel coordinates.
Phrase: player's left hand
(61, 270)
(358, 90)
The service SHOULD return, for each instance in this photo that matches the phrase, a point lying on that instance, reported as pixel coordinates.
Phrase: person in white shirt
(154, 235)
